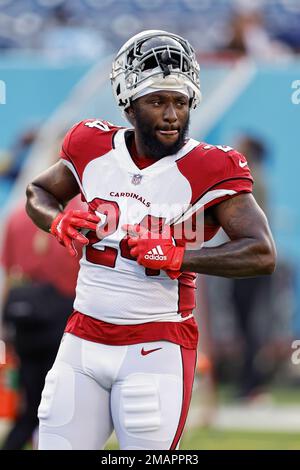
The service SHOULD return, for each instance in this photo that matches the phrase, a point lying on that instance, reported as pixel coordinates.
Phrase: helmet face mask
(155, 59)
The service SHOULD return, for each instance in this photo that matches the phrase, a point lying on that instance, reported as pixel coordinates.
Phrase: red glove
(64, 228)
(155, 250)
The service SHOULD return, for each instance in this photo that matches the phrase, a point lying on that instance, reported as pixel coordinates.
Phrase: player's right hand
(66, 224)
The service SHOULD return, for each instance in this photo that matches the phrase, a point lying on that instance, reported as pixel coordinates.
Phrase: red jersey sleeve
(85, 141)
(214, 173)
(234, 178)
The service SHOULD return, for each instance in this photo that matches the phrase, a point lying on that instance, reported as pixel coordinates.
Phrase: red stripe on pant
(188, 357)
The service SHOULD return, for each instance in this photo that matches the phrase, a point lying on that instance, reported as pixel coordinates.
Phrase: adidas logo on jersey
(156, 254)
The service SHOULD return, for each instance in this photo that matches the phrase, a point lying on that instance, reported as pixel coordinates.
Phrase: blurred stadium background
(55, 59)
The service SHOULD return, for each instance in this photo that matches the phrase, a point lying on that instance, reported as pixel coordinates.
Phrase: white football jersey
(111, 286)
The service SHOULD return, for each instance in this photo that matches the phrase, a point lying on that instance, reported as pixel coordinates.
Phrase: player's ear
(130, 114)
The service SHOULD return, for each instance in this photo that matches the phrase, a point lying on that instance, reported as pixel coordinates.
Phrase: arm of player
(49, 193)
(47, 196)
(251, 249)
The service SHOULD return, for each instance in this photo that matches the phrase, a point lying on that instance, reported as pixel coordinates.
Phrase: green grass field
(212, 439)
(209, 439)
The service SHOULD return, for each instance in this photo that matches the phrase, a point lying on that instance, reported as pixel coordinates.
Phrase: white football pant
(141, 391)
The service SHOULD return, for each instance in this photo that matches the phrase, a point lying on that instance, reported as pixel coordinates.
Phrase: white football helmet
(157, 59)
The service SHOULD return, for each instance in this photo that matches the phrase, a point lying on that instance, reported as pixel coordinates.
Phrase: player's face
(161, 122)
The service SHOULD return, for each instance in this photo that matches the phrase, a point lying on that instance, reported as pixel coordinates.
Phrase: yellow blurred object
(5, 161)
(203, 365)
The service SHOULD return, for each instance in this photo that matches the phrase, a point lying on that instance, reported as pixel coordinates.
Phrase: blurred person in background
(248, 293)
(16, 157)
(132, 337)
(251, 318)
(249, 37)
(13, 159)
(39, 290)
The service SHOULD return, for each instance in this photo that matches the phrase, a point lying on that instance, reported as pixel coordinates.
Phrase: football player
(128, 355)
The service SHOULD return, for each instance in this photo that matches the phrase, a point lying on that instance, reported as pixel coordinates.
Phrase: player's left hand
(155, 250)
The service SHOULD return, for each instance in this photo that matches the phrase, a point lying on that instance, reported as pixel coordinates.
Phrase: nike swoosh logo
(242, 164)
(144, 353)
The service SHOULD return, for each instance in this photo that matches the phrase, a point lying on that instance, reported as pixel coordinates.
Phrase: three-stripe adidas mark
(156, 254)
